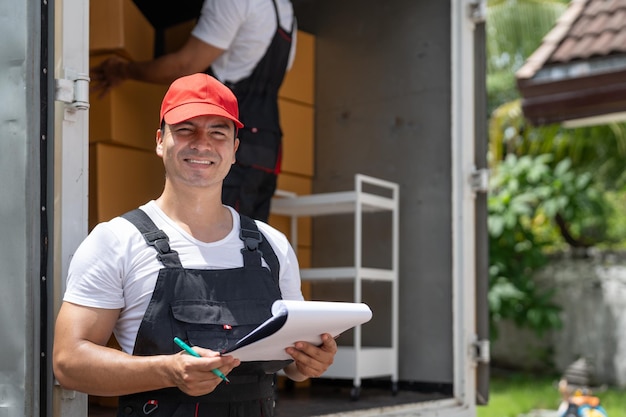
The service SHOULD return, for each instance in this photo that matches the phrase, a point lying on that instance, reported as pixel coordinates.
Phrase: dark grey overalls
(251, 182)
(211, 309)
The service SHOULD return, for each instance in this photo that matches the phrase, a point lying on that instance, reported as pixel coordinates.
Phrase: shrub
(533, 207)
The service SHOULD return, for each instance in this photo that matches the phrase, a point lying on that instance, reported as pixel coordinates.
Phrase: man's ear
(236, 147)
(159, 142)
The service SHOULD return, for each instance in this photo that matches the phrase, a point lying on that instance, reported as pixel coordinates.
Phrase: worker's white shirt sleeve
(220, 21)
(114, 268)
(244, 30)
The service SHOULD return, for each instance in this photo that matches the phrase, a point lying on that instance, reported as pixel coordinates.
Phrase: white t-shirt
(115, 268)
(244, 29)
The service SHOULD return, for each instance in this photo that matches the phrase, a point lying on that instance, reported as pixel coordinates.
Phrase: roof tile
(584, 61)
(598, 31)
(618, 42)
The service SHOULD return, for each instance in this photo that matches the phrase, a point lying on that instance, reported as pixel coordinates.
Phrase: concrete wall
(592, 293)
(383, 99)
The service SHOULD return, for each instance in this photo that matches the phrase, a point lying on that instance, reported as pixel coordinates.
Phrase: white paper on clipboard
(294, 321)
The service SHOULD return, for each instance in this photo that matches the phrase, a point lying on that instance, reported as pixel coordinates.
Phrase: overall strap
(256, 246)
(293, 23)
(154, 237)
(277, 16)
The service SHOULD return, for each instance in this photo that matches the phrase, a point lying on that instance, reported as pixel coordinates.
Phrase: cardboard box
(119, 26)
(297, 122)
(299, 83)
(128, 115)
(121, 179)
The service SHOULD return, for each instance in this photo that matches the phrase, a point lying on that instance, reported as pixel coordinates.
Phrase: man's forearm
(104, 371)
(194, 56)
(162, 70)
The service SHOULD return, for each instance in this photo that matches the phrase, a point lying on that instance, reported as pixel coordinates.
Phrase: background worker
(248, 45)
(185, 266)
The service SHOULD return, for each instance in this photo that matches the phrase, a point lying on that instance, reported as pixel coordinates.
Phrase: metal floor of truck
(325, 398)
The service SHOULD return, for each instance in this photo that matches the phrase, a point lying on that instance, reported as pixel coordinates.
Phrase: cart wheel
(394, 388)
(354, 393)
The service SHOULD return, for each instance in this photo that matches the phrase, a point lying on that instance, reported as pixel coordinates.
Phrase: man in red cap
(186, 266)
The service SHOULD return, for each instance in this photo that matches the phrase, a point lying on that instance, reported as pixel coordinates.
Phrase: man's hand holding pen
(196, 375)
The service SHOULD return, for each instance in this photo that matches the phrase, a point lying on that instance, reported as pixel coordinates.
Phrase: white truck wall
(71, 167)
(19, 208)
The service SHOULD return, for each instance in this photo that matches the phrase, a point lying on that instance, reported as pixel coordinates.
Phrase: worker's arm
(195, 56)
(83, 362)
(309, 360)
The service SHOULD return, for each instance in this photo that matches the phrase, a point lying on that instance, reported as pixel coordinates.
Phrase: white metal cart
(355, 361)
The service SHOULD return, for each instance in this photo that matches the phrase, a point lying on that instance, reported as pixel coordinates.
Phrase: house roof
(579, 70)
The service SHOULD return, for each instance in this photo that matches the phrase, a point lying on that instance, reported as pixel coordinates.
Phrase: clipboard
(294, 321)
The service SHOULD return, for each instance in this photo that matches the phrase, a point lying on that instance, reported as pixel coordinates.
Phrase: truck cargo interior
(381, 191)
(368, 94)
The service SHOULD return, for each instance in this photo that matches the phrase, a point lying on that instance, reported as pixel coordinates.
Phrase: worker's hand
(312, 361)
(108, 74)
(194, 376)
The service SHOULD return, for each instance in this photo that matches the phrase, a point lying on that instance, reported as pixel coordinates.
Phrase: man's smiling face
(198, 152)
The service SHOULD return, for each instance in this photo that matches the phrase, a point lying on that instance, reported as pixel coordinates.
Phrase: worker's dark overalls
(251, 182)
(211, 309)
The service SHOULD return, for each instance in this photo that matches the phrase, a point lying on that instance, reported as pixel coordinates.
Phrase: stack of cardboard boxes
(124, 171)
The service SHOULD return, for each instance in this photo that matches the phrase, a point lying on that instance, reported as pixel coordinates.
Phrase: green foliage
(526, 194)
(598, 149)
(515, 252)
(616, 223)
(514, 30)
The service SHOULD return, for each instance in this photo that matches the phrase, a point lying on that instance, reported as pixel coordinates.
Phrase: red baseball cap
(199, 95)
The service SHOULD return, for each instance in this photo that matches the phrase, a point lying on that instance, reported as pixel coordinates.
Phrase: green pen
(192, 352)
